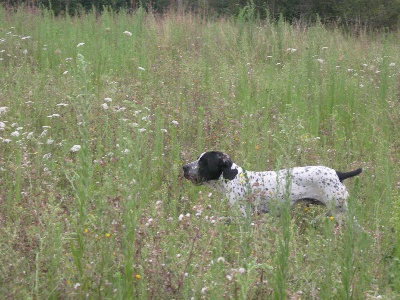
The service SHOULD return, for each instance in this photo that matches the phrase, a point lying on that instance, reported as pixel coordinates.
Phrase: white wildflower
(323, 48)
(77, 285)
(108, 99)
(104, 106)
(142, 129)
(2, 125)
(175, 122)
(181, 216)
(320, 60)
(7, 141)
(241, 270)
(142, 69)
(291, 50)
(25, 51)
(53, 116)
(47, 156)
(65, 72)
(150, 220)
(29, 136)
(220, 259)
(15, 133)
(3, 109)
(118, 109)
(127, 33)
(125, 151)
(229, 277)
(49, 141)
(80, 45)
(62, 104)
(146, 118)
(164, 130)
(75, 148)
(392, 64)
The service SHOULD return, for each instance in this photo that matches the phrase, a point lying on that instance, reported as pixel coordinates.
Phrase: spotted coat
(311, 184)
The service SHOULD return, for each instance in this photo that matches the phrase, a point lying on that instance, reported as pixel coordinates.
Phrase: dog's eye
(201, 155)
(202, 161)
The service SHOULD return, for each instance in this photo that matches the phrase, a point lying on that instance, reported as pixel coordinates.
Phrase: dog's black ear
(227, 171)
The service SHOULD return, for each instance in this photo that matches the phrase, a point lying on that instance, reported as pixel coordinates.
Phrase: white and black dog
(312, 184)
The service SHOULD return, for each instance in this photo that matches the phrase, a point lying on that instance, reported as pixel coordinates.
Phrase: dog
(311, 184)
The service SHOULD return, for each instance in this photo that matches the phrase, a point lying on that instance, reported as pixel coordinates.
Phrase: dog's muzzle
(190, 172)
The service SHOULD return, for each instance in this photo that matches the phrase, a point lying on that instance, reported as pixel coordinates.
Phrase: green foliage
(351, 14)
(141, 95)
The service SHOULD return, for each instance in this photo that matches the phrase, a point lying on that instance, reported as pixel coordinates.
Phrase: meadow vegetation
(99, 113)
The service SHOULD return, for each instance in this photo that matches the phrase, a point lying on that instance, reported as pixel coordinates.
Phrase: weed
(99, 113)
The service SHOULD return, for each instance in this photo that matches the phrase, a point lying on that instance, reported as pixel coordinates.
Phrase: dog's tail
(344, 175)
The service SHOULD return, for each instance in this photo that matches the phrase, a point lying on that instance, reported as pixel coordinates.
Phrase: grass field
(98, 115)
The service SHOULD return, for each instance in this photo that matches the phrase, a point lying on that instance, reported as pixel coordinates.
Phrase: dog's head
(210, 166)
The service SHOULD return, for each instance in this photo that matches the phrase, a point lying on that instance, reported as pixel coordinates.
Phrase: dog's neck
(236, 167)
(221, 184)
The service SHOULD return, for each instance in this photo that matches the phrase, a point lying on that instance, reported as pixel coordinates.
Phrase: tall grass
(142, 94)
